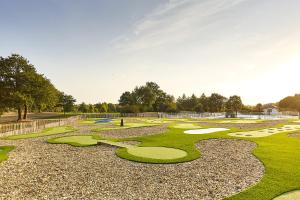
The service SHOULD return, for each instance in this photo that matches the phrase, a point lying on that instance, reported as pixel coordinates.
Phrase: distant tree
(199, 108)
(259, 107)
(234, 104)
(126, 99)
(83, 107)
(104, 107)
(204, 101)
(112, 108)
(67, 102)
(216, 102)
(291, 103)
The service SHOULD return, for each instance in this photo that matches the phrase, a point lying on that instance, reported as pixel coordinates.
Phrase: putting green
(117, 144)
(240, 121)
(266, 132)
(80, 140)
(289, 196)
(160, 153)
(186, 126)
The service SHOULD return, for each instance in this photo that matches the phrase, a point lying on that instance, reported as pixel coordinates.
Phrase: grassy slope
(45, 132)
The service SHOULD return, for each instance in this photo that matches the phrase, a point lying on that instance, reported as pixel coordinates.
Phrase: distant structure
(271, 110)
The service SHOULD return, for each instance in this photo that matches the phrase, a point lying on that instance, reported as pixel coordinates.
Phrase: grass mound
(78, 140)
(186, 126)
(159, 153)
(45, 132)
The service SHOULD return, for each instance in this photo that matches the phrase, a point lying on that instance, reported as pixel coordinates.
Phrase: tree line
(150, 97)
(23, 89)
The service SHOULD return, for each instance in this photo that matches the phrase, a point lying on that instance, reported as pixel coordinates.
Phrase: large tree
(216, 102)
(234, 104)
(291, 103)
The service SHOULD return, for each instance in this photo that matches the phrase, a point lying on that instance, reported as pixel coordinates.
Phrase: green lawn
(78, 140)
(4, 150)
(45, 132)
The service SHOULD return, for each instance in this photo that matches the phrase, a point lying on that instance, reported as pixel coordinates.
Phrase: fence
(35, 126)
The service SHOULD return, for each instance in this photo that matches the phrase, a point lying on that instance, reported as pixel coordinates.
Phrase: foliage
(291, 103)
(147, 98)
(22, 87)
(234, 104)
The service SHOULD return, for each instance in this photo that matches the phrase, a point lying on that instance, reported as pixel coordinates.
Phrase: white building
(272, 110)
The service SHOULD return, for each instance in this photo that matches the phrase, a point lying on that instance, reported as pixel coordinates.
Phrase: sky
(97, 49)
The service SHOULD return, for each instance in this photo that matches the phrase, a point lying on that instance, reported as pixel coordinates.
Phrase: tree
(216, 102)
(291, 103)
(67, 102)
(83, 107)
(112, 108)
(17, 78)
(234, 104)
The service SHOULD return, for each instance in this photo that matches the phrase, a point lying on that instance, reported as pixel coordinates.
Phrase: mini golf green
(240, 121)
(293, 195)
(159, 153)
(266, 132)
(78, 140)
(186, 126)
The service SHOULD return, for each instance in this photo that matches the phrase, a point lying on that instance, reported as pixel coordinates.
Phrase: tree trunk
(19, 114)
(299, 114)
(25, 112)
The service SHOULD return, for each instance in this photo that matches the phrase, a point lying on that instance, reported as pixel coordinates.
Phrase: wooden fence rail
(35, 126)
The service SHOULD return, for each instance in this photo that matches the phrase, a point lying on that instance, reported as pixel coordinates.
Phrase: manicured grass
(78, 140)
(186, 126)
(294, 195)
(266, 132)
(240, 121)
(159, 153)
(45, 132)
(4, 150)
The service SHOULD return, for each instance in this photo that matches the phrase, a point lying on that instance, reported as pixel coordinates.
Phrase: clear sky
(97, 49)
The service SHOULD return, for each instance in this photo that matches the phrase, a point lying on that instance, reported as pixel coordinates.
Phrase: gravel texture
(134, 132)
(38, 170)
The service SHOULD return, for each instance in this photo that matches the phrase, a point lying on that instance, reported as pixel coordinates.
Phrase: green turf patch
(78, 140)
(294, 195)
(45, 132)
(117, 144)
(266, 132)
(126, 126)
(4, 150)
(159, 153)
(186, 126)
(240, 121)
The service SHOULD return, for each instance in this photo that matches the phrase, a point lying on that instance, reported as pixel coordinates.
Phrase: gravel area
(37, 170)
(134, 132)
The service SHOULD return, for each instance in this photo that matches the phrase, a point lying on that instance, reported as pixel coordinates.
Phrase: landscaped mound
(266, 132)
(240, 121)
(294, 195)
(159, 153)
(4, 150)
(206, 130)
(186, 126)
(78, 140)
